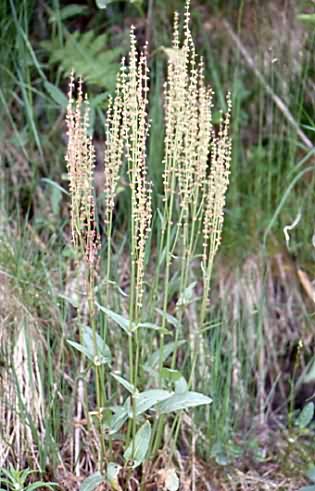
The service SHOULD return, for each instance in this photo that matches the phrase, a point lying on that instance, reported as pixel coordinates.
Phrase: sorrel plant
(171, 253)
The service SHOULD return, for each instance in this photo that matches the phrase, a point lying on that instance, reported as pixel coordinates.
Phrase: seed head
(80, 158)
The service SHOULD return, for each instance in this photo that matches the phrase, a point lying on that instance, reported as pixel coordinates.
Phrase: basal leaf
(118, 419)
(171, 480)
(91, 483)
(41, 485)
(112, 473)
(306, 415)
(311, 474)
(137, 450)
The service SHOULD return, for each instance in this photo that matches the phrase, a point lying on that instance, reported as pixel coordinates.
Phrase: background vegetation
(261, 329)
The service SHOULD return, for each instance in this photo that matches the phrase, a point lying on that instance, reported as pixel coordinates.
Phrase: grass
(260, 309)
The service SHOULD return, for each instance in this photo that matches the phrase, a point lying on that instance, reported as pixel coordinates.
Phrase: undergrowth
(121, 313)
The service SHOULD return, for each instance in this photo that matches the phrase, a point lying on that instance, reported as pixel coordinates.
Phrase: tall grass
(267, 191)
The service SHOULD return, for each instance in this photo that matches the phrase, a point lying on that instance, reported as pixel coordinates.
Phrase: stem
(100, 396)
(108, 268)
(169, 212)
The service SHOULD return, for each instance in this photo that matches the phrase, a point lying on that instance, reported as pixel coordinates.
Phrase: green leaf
(55, 195)
(102, 4)
(161, 218)
(72, 301)
(143, 402)
(222, 459)
(55, 198)
(181, 386)
(169, 318)
(187, 296)
(112, 473)
(150, 325)
(118, 419)
(171, 480)
(308, 488)
(310, 375)
(154, 359)
(69, 11)
(128, 386)
(100, 101)
(56, 94)
(183, 401)
(169, 374)
(138, 449)
(305, 416)
(101, 347)
(118, 319)
(41, 485)
(311, 474)
(100, 356)
(310, 18)
(91, 483)
(55, 184)
(147, 399)
(80, 348)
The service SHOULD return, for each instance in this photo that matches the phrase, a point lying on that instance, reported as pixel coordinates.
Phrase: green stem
(100, 395)
(108, 269)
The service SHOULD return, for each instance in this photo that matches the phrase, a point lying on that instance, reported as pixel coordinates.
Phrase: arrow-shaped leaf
(138, 449)
(128, 386)
(182, 401)
(91, 483)
(121, 321)
(147, 399)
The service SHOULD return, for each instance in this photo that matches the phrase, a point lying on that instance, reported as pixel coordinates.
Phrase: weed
(15, 480)
(192, 212)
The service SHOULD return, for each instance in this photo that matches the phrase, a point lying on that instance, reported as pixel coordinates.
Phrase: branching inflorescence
(196, 167)
(80, 160)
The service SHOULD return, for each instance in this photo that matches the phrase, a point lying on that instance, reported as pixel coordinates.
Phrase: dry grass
(21, 385)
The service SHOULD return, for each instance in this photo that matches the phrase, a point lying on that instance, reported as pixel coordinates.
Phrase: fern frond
(88, 55)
